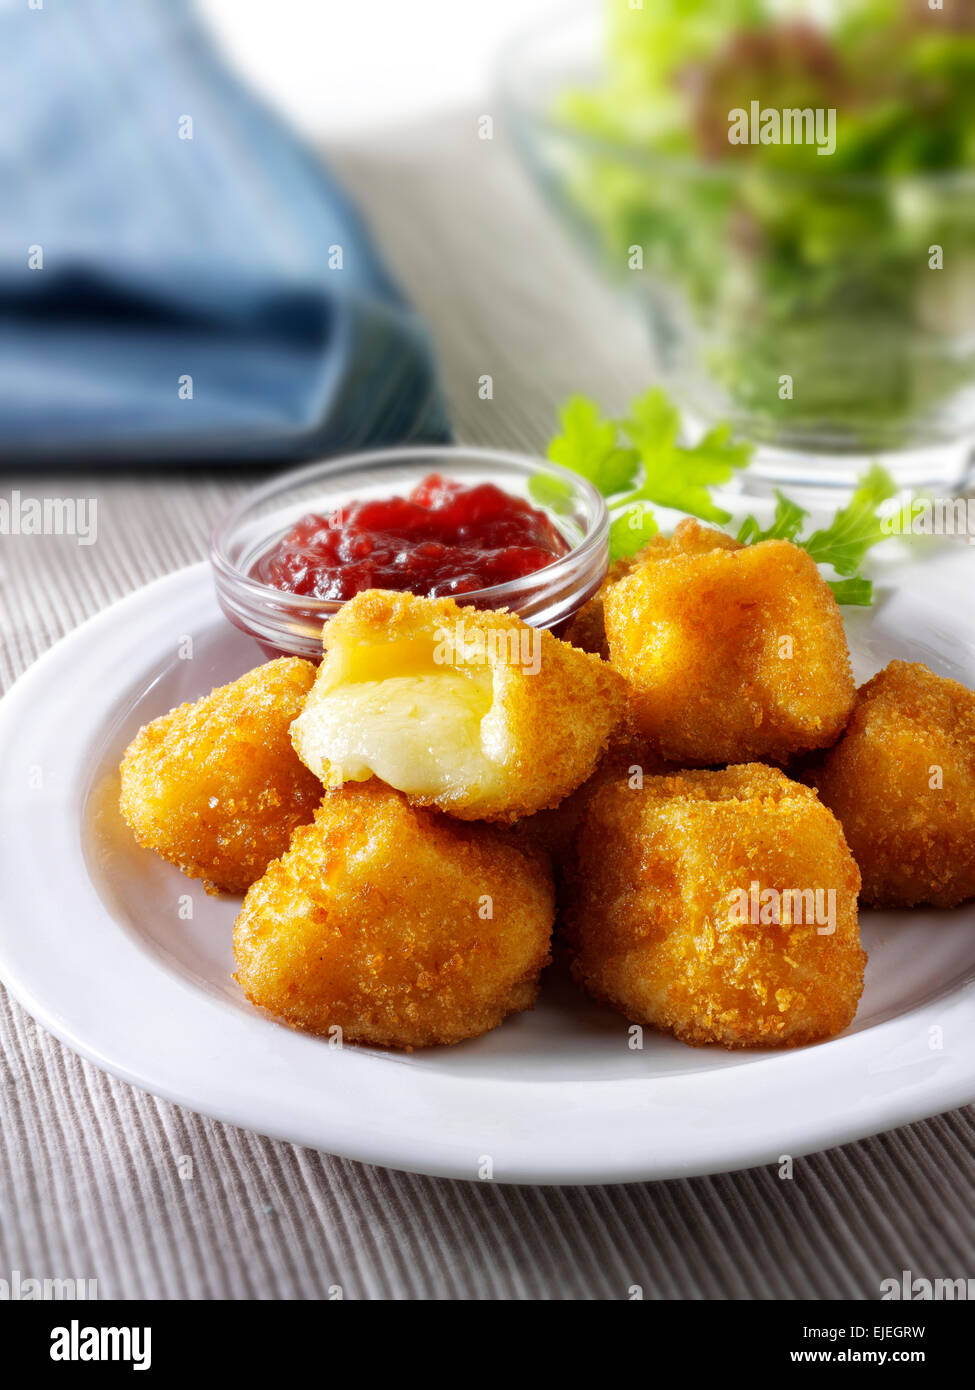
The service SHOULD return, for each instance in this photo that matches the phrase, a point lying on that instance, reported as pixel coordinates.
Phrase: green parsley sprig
(844, 543)
(637, 462)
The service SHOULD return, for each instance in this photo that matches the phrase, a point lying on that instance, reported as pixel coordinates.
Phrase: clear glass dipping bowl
(291, 624)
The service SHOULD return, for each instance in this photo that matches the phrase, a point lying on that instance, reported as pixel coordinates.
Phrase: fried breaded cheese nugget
(396, 924)
(474, 712)
(726, 911)
(215, 787)
(732, 654)
(627, 756)
(902, 782)
(587, 629)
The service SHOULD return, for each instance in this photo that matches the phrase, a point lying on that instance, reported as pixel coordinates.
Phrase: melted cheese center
(391, 712)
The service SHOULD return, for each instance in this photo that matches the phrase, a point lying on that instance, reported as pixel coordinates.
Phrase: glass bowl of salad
(791, 203)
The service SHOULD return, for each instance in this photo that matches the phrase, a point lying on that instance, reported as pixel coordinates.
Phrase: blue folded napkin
(180, 279)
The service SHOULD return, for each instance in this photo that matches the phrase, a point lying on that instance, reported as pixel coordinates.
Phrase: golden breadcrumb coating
(684, 911)
(689, 537)
(732, 653)
(629, 756)
(396, 924)
(587, 628)
(215, 787)
(902, 782)
(474, 712)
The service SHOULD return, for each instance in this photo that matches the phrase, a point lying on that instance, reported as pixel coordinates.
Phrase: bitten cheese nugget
(902, 782)
(725, 911)
(473, 712)
(396, 924)
(732, 654)
(215, 787)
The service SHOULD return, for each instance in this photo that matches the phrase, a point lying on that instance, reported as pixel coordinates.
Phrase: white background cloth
(93, 1177)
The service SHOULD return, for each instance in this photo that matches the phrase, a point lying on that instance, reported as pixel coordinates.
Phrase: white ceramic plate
(130, 964)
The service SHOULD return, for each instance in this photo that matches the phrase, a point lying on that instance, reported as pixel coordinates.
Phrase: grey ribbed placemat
(92, 1173)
